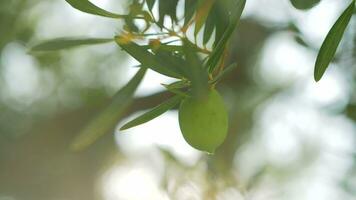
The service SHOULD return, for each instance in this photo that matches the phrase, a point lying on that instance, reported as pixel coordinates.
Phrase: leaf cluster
(164, 44)
(163, 48)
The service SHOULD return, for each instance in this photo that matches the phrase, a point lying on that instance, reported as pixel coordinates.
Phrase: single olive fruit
(204, 122)
(304, 4)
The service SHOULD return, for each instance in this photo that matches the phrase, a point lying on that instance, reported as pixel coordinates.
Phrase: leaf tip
(317, 77)
(124, 127)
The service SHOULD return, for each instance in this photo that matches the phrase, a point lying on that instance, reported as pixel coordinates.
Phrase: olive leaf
(204, 7)
(189, 10)
(218, 20)
(209, 25)
(195, 71)
(162, 64)
(332, 41)
(107, 119)
(88, 7)
(150, 4)
(304, 4)
(167, 7)
(152, 114)
(65, 43)
(216, 55)
(222, 20)
(176, 87)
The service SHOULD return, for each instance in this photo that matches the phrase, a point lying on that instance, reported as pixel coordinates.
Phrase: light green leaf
(332, 41)
(195, 71)
(88, 7)
(162, 64)
(176, 87)
(155, 112)
(65, 43)
(107, 119)
(214, 59)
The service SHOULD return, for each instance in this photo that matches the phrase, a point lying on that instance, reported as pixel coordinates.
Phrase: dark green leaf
(152, 114)
(88, 7)
(173, 61)
(107, 119)
(331, 42)
(204, 7)
(170, 48)
(218, 51)
(222, 17)
(210, 25)
(167, 7)
(190, 7)
(163, 65)
(304, 4)
(150, 3)
(64, 43)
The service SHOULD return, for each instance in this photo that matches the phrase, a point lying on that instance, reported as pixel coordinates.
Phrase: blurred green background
(289, 137)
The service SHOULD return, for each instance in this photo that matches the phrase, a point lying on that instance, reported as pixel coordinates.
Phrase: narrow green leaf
(162, 65)
(304, 4)
(195, 71)
(150, 4)
(332, 41)
(167, 7)
(176, 87)
(190, 7)
(222, 17)
(170, 48)
(172, 10)
(204, 7)
(65, 43)
(107, 119)
(218, 51)
(210, 25)
(174, 62)
(152, 114)
(225, 72)
(88, 7)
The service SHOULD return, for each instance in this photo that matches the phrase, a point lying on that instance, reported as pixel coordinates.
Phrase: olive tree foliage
(191, 48)
(63, 174)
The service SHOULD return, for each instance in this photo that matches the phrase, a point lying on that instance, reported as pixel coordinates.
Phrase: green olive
(204, 122)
